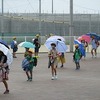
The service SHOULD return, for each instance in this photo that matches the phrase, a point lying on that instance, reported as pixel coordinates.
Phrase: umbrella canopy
(96, 36)
(85, 37)
(60, 45)
(81, 46)
(4, 43)
(26, 45)
(7, 52)
(92, 34)
(56, 38)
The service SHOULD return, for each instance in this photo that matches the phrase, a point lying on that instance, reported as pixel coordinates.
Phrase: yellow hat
(14, 37)
(37, 35)
(31, 51)
(51, 34)
(93, 37)
(76, 45)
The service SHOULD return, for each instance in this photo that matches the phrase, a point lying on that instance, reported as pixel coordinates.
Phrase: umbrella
(4, 43)
(92, 34)
(77, 42)
(96, 36)
(81, 46)
(27, 45)
(56, 37)
(7, 52)
(85, 37)
(60, 45)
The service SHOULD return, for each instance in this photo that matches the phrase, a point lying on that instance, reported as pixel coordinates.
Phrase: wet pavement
(71, 84)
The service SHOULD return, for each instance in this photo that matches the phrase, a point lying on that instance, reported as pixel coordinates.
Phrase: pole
(90, 23)
(40, 17)
(52, 6)
(2, 7)
(71, 26)
(2, 23)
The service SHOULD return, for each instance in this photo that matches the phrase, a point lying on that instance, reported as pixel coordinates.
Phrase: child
(95, 45)
(61, 59)
(53, 60)
(26, 52)
(14, 47)
(77, 56)
(4, 71)
(32, 61)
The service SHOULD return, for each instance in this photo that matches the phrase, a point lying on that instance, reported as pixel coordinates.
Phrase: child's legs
(77, 65)
(61, 59)
(52, 70)
(95, 50)
(92, 52)
(5, 84)
(55, 69)
(28, 76)
(31, 74)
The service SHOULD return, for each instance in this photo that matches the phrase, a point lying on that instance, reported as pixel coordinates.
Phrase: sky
(60, 6)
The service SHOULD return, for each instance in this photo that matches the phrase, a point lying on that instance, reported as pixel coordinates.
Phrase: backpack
(12, 44)
(35, 61)
(25, 63)
(78, 53)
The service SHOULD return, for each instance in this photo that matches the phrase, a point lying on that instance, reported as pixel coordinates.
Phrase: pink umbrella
(85, 37)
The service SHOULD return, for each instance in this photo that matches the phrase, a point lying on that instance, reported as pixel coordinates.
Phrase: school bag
(78, 53)
(12, 44)
(25, 64)
(35, 61)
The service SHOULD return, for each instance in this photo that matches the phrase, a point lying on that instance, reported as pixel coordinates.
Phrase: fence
(8, 39)
(42, 40)
(28, 24)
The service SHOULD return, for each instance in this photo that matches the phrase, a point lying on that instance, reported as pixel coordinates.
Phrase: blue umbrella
(77, 42)
(91, 34)
(60, 45)
(4, 43)
(81, 46)
(96, 36)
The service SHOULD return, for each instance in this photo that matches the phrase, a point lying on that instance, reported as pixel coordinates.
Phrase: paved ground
(71, 84)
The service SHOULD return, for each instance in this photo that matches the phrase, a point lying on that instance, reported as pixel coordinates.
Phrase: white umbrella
(60, 45)
(7, 52)
(56, 38)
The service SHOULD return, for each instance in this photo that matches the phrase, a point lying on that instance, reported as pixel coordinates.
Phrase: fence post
(25, 38)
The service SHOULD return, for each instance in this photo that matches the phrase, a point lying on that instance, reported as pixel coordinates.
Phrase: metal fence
(20, 39)
(42, 40)
(28, 24)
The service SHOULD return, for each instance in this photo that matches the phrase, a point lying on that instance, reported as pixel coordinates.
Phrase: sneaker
(56, 77)
(62, 66)
(92, 56)
(30, 79)
(6, 92)
(95, 56)
(52, 78)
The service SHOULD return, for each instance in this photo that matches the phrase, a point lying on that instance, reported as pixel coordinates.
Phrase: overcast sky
(60, 6)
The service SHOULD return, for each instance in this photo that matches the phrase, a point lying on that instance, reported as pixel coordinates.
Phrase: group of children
(30, 62)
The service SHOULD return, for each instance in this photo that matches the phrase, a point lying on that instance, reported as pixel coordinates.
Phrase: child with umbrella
(77, 56)
(28, 63)
(85, 44)
(53, 60)
(95, 45)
